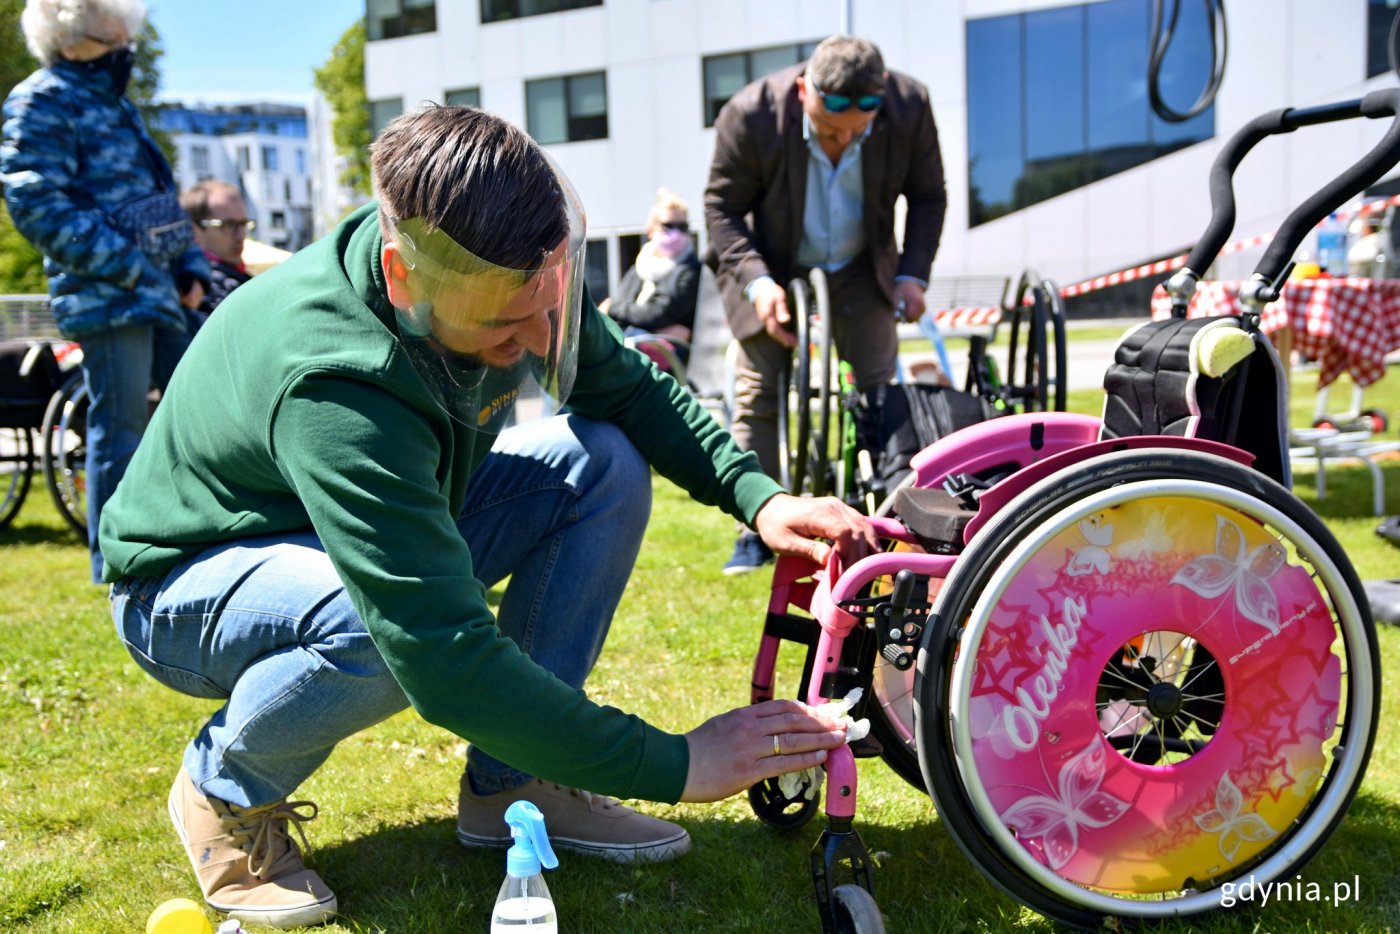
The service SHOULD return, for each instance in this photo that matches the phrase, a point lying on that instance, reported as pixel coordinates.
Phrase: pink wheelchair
(1128, 665)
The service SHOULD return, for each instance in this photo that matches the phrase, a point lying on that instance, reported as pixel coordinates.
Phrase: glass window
(1379, 15)
(595, 269)
(1058, 98)
(462, 97)
(995, 140)
(301, 161)
(568, 109)
(725, 75)
(269, 158)
(494, 11)
(245, 159)
(1054, 101)
(389, 19)
(382, 111)
(199, 158)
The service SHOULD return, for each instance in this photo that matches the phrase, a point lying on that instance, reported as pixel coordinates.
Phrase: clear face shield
(484, 337)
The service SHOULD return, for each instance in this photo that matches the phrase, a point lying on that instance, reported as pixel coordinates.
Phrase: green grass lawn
(90, 745)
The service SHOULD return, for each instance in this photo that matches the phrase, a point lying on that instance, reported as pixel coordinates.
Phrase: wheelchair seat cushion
(936, 518)
(1160, 383)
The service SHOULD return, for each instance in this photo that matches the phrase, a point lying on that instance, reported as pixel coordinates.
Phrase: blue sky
(251, 50)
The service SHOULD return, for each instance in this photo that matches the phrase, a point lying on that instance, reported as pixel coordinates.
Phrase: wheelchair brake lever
(893, 618)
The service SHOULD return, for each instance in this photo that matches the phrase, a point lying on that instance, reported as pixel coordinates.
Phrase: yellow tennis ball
(178, 916)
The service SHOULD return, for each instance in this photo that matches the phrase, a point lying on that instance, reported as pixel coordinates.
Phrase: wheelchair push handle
(1273, 268)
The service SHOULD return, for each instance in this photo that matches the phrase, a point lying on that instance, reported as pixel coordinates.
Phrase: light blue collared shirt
(833, 217)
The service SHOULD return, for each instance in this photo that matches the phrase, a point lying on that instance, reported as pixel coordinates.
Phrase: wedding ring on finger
(777, 746)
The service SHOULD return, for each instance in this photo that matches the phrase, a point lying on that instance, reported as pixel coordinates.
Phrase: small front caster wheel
(777, 809)
(855, 911)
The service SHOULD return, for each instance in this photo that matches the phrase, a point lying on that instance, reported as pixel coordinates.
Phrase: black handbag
(160, 227)
(157, 223)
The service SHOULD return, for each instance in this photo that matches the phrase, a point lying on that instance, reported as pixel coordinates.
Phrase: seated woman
(657, 295)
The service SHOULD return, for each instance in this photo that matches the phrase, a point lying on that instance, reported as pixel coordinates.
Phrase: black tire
(16, 471)
(819, 465)
(795, 397)
(1112, 486)
(776, 809)
(1038, 317)
(63, 452)
(855, 912)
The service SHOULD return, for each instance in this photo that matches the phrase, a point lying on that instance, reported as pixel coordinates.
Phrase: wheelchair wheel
(64, 451)
(1151, 674)
(1041, 364)
(820, 467)
(16, 471)
(795, 396)
(855, 912)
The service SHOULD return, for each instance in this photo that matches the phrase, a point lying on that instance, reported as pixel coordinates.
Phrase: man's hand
(911, 295)
(735, 750)
(194, 295)
(791, 525)
(770, 301)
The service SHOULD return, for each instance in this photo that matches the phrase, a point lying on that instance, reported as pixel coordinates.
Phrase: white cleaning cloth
(806, 782)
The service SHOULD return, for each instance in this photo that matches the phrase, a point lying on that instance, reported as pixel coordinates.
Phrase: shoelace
(604, 802)
(258, 830)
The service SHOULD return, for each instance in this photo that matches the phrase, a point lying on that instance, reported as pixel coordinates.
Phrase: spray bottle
(524, 900)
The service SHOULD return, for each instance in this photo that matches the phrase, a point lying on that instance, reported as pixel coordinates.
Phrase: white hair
(50, 25)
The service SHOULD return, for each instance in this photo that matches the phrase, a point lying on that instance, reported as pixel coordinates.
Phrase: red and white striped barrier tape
(965, 317)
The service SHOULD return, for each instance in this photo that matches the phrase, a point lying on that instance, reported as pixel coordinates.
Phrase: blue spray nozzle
(531, 847)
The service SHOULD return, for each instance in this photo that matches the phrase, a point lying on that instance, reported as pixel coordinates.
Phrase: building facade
(262, 149)
(1053, 156)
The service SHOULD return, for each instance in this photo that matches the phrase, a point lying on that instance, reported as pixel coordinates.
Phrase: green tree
(145, 86)
(342, 80)
(21, 266)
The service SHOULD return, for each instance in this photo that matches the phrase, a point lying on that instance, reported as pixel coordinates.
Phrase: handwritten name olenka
(1023, 718)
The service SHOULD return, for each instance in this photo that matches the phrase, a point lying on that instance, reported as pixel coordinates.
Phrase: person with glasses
(807, 167)
(309, 531)
(221, 227)
(88, 186)
(657, 295)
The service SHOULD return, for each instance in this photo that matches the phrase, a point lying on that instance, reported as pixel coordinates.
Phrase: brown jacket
(758, 188)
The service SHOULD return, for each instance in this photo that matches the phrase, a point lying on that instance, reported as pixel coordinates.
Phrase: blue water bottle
(523, 905)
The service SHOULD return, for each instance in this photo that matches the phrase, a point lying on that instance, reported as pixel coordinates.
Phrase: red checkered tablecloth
(1347, 325)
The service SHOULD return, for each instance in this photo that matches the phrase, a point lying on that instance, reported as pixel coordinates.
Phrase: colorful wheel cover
(1183, 578)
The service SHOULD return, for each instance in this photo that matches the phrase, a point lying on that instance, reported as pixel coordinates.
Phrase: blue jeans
(264, 624)
(120, 367)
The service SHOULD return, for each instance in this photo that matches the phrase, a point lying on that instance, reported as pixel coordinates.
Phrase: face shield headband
(485, 337)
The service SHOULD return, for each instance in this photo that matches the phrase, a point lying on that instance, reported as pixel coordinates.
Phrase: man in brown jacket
(808, 165)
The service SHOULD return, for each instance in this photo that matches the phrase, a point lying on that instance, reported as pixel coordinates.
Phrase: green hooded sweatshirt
(296, 408)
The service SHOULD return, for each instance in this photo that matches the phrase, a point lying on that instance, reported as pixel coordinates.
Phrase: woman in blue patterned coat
(87, 185)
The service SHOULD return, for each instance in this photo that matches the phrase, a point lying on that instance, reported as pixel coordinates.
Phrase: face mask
(671, 243)
(116, 63)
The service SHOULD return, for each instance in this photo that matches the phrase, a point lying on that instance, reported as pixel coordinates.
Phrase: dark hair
(195, 199)
(847, 65)
(479, 179)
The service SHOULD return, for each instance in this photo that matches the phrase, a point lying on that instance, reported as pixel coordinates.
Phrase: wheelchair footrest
(936, 517)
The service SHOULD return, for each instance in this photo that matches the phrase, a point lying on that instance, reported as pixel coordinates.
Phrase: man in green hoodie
(308, 530)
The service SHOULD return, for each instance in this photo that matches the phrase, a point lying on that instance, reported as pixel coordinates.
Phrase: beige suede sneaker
(247, 864)
(576, 820)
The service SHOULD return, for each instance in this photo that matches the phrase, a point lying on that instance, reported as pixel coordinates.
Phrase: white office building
(1053, 156)
(260, 148)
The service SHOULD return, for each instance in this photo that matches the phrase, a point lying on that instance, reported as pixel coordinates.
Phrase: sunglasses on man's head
(840, 103)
